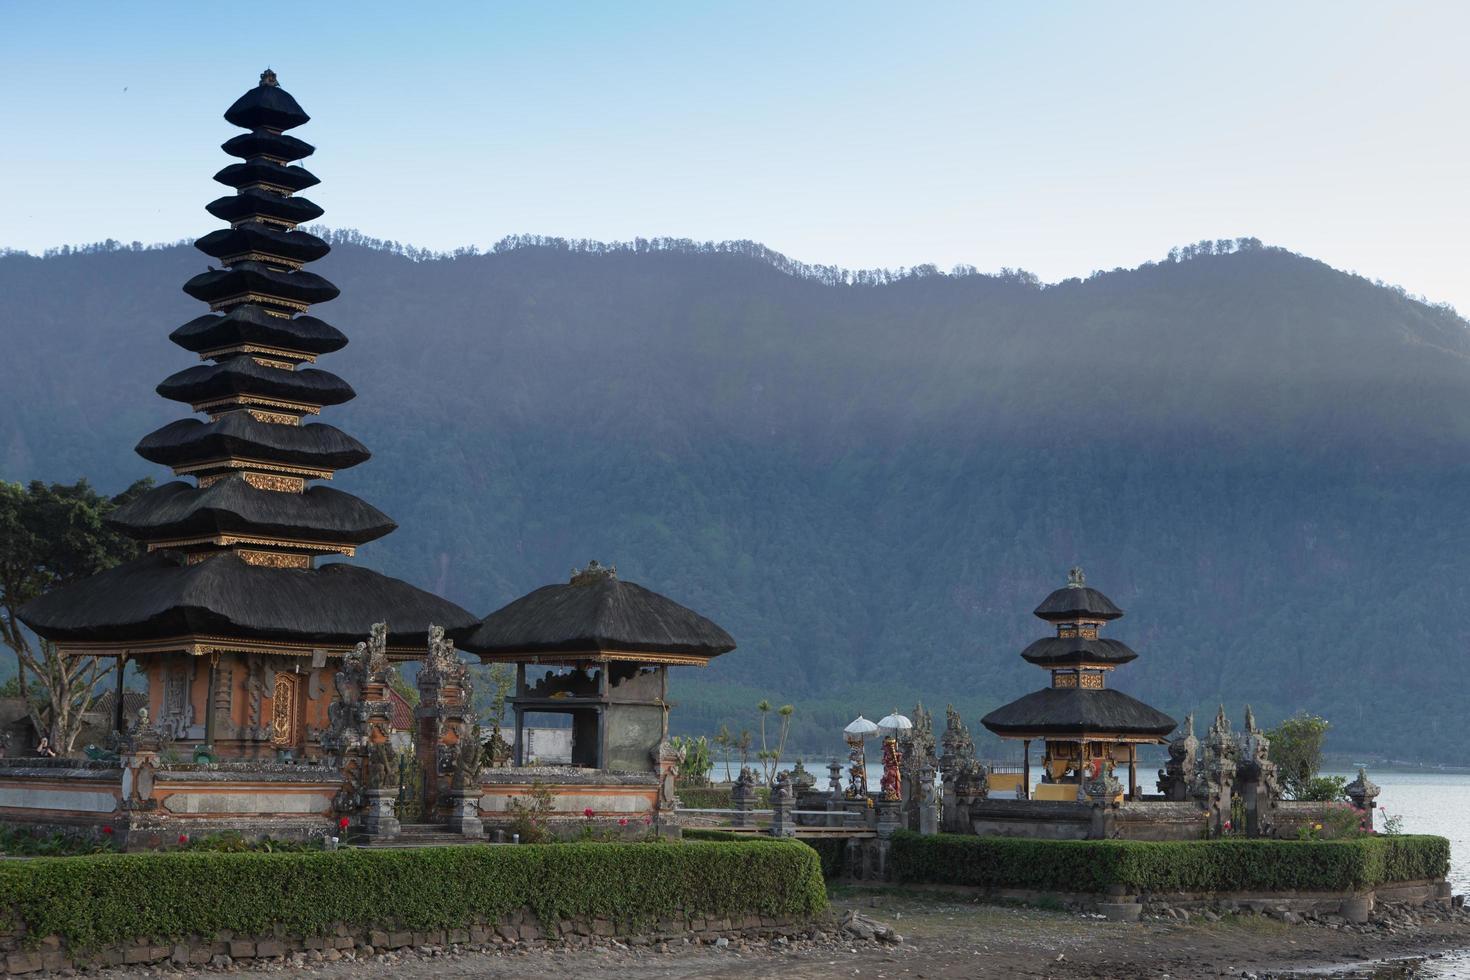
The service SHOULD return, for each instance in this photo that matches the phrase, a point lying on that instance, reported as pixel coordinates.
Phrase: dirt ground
(946, 938)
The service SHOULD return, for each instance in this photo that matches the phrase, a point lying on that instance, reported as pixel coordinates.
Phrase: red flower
(622, 821)
(183, 838)
(107, 828)
(342, 824)
(589, 813)
(647, 819)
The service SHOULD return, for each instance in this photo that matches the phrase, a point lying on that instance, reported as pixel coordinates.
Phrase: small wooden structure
(1086, 727)
(598, 649)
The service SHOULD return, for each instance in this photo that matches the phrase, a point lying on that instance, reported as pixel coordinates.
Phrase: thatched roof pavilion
(609, 644)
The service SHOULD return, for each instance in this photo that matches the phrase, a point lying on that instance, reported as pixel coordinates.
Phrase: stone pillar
(928, 802)
(782, 822)
(888, 818)
(378, 818)
(742, 797)
(464, 813)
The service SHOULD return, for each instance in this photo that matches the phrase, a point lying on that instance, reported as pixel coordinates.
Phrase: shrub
(1230, 864)
(103, 900)
(833, 853)
(710, 833)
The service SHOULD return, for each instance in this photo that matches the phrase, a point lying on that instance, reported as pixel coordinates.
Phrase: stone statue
(857, 769)
(467, 762)
(668, 758)
(892, 760)
(377, 651)
(382, 767)
(497, 749)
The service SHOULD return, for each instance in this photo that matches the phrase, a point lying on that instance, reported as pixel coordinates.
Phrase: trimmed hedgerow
(91, 902)
(1168, 866)
(833, 853)
(711, 833)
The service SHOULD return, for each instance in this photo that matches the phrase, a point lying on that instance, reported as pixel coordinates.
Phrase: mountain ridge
(870, 484)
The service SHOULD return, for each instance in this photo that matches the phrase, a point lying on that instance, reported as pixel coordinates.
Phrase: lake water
(1429, 803)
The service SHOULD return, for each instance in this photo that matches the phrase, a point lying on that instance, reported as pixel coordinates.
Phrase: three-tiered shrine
(1087, 726)
(236, 624)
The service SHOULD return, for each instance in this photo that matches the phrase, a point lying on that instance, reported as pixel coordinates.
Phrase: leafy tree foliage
(51, 535)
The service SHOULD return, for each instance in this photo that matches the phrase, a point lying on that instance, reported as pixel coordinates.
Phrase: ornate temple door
(286, 710)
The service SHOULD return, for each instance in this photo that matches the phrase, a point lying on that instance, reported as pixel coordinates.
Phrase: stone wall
(20, 954)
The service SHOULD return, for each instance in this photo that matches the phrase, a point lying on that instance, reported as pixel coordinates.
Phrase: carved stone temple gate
(446, 738)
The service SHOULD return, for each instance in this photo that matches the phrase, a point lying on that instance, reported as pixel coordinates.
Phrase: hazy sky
(1056, 137)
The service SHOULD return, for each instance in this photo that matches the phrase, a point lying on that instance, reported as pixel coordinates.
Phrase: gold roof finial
(1075, 578)
(268, 79)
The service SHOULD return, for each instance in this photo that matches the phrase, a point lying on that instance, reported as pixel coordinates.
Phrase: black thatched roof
(1057, 651)
(248, 323)
(1072, 601)
(253, 203)
(231, 505)
(219, 284)
(267, 105)
(253, 236)
(598, 611)
(264, 172)
(160, 597)
(237, 434)
(264, 143)
(1078, 711)
(243, 375)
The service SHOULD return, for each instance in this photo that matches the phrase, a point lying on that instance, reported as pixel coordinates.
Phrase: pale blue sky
(1056, 137)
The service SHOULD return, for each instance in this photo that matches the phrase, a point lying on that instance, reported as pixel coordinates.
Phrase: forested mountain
(871, 480)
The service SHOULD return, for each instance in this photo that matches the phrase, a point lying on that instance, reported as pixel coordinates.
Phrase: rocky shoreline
(906, 936)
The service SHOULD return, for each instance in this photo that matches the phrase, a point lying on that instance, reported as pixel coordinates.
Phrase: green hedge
(101, 900)
(831, 851)
(712, 833)
(1168, 866)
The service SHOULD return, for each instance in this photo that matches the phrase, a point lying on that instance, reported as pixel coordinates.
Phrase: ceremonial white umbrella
(861, 727)
(894, 723)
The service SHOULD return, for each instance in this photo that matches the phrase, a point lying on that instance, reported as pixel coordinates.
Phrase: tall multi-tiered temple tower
(236, 624)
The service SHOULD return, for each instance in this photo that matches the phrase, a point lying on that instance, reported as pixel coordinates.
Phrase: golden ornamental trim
(268, 258)
(252, 296)
(232, 403)
(267, 219)
(260, 481)
(295, 355)
(271, 362)
(229, 540)
(274, 559)
(240, 463)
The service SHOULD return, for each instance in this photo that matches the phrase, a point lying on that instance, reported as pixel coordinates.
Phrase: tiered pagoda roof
(232, 556)
(1079, 704)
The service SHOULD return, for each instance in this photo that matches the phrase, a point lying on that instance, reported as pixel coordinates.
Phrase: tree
(51, 536)
(1296, 748)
